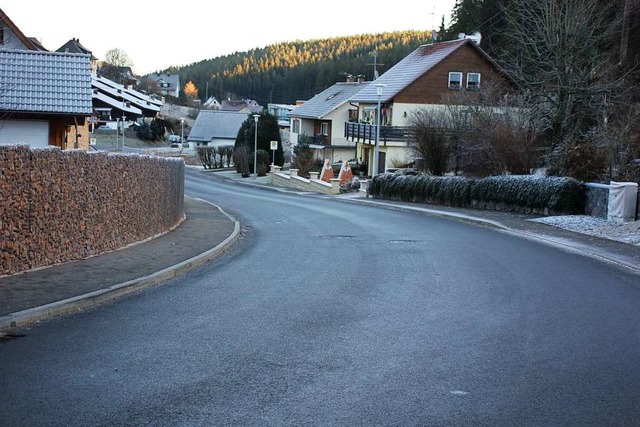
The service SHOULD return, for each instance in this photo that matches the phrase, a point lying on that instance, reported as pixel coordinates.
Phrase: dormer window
(455, 80)
(473, 81)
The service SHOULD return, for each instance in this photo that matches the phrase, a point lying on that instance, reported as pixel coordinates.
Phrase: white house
(323, 118)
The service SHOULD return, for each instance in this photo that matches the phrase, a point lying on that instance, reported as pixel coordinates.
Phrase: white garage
(35, 133)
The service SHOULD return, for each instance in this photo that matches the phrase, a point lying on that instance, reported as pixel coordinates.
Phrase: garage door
(34, 133)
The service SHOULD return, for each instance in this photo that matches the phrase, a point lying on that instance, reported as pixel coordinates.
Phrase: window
(324, 128)
(455, 80)
(473, 81)
(296, 126)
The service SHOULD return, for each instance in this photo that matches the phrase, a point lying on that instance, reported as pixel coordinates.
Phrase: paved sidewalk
(64, 288)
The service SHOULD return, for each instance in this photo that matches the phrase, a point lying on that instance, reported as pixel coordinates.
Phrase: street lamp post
(123, 119)
(255, 148)
(118, 134)
(376, 154)
(181, 134)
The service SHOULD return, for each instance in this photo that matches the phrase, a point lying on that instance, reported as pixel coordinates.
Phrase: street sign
(274, 145)
(92, 141)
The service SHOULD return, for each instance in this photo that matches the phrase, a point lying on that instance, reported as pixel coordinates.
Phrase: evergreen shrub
(526, 193)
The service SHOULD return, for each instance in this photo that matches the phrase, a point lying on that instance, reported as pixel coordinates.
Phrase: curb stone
(92, 299)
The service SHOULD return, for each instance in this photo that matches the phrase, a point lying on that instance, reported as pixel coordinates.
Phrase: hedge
(522, 193)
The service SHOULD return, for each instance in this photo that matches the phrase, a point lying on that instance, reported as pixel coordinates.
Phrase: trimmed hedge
(522, 193)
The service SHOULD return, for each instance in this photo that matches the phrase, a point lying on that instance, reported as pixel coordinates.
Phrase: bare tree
(149, 85)
(496, 134)
(116, 66)
(432, 141)
(560, 54)
(118, 58)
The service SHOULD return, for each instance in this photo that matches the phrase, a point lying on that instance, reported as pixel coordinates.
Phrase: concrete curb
(91, 299)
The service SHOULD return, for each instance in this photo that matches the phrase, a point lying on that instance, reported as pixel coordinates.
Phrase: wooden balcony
(366, 133)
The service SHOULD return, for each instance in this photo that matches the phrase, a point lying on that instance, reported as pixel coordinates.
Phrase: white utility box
(623, 198)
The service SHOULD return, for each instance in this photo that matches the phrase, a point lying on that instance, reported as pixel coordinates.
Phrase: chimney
(349, 78)
(361, 78)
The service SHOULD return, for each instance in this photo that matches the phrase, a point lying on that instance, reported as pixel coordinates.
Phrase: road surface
(332, 313)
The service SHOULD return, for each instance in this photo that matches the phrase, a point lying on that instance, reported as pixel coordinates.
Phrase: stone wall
(597, 203)
(58, 206)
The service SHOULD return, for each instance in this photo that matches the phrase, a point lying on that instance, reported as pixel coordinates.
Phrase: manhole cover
(338, 237)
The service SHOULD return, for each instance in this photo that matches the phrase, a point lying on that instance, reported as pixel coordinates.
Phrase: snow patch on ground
(622, 232)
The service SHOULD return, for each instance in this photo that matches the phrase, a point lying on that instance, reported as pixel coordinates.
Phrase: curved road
(333, 313)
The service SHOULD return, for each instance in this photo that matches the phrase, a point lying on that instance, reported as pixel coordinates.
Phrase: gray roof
(45, 82)
(216, 124)
(328, 100)
(405, 72)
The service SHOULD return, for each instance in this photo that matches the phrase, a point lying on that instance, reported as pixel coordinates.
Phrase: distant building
(216, 128)
(212, 103)
(168, 84)
(74, 46)
(246, 106)
(282, 112)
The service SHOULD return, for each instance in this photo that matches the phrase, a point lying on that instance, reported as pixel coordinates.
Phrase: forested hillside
(287, 72)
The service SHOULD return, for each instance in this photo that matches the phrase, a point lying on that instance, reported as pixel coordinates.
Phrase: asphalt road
(332, 313)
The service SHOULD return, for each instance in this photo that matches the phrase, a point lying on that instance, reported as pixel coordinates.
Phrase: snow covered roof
(119, 92)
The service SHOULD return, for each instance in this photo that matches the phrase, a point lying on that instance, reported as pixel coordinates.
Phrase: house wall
(402, 111)
(11, 41)
(431, 87)
(54, 211)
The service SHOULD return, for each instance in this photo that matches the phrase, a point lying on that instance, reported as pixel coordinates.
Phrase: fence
(58, 206)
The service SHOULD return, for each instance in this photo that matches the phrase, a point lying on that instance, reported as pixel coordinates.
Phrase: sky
(159, 34)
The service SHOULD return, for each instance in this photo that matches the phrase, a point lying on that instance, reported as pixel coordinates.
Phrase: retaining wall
(292, 180)
(58, 206)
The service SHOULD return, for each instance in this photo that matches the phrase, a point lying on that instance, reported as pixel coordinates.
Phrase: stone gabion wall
(58, 206)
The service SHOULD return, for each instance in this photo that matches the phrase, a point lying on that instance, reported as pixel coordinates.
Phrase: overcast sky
(158, 34)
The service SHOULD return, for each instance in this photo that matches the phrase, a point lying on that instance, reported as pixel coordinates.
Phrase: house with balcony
(422, 79)
(324, 117)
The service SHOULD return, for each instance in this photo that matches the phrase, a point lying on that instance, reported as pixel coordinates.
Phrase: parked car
(175, 140)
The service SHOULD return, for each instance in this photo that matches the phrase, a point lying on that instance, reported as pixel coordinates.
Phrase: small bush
(241, 160)
(527, 193)
(207, 156)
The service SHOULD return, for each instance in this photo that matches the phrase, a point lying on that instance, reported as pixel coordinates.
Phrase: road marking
(459, 392)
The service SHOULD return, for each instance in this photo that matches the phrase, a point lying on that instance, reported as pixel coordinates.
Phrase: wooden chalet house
(422, 79)
(45, 97)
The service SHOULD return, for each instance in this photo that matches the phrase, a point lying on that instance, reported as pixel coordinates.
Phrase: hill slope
(286, 72)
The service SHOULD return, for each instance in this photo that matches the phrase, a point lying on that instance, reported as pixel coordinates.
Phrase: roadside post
(274, 147)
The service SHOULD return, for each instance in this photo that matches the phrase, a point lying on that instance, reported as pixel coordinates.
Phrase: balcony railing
(366, 133)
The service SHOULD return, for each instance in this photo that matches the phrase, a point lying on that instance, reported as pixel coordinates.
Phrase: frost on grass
(622, 232)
